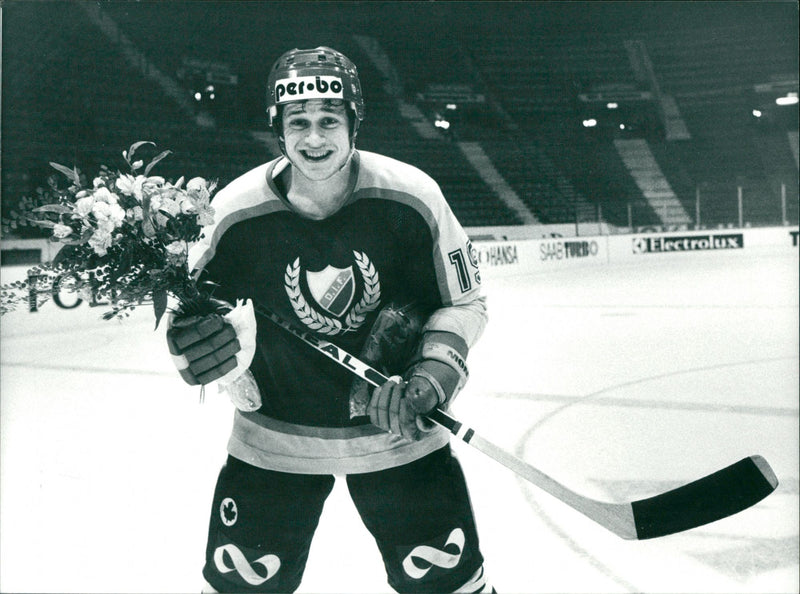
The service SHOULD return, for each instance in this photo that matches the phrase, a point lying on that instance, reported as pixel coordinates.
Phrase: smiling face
(317, 137)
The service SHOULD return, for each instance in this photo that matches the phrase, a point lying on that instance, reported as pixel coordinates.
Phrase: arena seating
(71, 96)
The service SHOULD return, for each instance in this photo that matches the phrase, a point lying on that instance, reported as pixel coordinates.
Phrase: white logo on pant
(433, 556)
(241, 565)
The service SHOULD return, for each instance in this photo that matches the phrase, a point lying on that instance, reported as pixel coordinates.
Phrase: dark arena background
(628, 175)
(635, 114)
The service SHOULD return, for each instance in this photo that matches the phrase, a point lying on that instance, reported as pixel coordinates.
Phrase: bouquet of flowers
(126, 239)
(126, 242)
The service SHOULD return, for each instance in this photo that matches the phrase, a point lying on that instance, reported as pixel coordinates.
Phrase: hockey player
(327, 236)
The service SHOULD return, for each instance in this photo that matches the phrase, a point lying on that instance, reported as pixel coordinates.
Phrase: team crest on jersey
(333, 291)
(333, 288)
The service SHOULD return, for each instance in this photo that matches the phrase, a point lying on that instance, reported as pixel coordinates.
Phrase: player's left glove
(203, 347)
(218, 348)
(437, 373)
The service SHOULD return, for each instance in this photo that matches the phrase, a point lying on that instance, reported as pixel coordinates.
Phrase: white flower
(138, 186)
(177, 248)
(200, 190)
(148, 185)
(101, 210)
(61, 231)
(155, 202)
(100, 242)
(125, 183)
(102, 194)
(205, 216)
(97, 182)
(176, 252)
(117, 214)
(106, 225)
(109, 215)
(187, 204)
(135, 214)
(171, 207)
(168, 206)
(83, 206)
(195, 184)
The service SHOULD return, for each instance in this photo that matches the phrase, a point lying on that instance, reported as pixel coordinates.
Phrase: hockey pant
(262, 524)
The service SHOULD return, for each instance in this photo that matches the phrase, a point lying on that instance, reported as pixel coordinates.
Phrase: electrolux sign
(687, 243)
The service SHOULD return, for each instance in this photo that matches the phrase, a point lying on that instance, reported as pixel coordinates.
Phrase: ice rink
(620, 381)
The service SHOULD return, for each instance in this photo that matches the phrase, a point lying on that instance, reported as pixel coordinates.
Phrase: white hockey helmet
(319, 73)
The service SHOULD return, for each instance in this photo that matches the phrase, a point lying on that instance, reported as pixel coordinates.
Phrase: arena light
(443, 124)
(757, 113)
(612, 105)
(198, 96)
(789, 99)
(590, 123)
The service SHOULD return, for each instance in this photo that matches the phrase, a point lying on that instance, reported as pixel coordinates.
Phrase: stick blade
(713, 497)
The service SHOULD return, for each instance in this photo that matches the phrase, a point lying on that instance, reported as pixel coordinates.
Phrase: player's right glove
(437, 373)
(203, 347)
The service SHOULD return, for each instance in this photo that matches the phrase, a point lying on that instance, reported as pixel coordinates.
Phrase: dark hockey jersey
(395, 240)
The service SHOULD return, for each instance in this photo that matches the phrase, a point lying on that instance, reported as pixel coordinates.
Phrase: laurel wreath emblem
(319, 322)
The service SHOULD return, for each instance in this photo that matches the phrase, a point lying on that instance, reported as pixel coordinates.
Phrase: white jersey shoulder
(246, 191)
(387, 178)
(464, 309)
(382, 172)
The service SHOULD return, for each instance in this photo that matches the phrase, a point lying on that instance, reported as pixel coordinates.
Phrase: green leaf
(155, 160)
(46, 224)
(135, 146)
(159, 304)
(72, 174)
(166, 214)
(148, 228)
(58, 208)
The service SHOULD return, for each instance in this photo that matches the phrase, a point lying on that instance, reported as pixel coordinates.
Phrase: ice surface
(619, 381)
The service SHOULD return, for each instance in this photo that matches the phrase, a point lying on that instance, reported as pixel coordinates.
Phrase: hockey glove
(439, 371)
(203, 347)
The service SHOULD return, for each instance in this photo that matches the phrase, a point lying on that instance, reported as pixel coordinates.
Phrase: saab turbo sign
(564, 250)
(688, 243)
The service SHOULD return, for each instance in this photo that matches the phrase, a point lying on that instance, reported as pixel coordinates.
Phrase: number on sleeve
(457, 259)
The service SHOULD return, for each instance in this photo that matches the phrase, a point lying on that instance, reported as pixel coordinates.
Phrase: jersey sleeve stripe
(427, 213)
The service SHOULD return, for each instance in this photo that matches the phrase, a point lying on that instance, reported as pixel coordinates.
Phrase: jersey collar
(281, 165)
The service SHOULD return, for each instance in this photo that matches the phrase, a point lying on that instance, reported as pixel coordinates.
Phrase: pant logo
(228, 512)
(420, 560)
(243, 567)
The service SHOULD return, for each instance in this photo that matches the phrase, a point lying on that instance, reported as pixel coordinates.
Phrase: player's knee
(477, 583)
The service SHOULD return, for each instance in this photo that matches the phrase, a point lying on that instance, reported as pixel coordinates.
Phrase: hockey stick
(718, 495)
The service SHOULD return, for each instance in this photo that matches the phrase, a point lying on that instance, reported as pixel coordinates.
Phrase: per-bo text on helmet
(308, 87)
